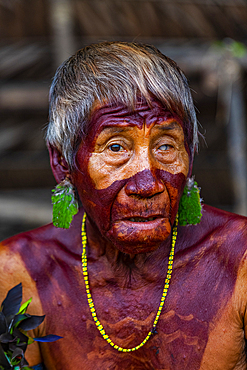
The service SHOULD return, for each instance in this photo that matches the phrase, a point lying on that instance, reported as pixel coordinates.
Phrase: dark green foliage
(31, 322)
(14, 322)
(12, 302)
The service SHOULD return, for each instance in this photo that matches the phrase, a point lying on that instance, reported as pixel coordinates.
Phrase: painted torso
(202, 322)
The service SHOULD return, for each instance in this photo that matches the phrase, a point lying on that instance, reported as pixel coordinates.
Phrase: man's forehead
(108, 115)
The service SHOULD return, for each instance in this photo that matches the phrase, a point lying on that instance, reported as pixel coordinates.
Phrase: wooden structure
(35, 36)
(187, 19)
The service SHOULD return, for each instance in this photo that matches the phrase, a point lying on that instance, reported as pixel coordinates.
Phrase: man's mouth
(135, 234)
(141, 219)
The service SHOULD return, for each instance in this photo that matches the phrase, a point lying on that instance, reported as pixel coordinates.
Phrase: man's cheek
(176, 181)
(98, 203)
(174, 197)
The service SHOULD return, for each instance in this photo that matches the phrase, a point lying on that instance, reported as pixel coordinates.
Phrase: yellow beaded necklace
(89, 296)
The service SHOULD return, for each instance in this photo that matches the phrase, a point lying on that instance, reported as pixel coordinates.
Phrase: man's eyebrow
(113, 129)
(170, 126)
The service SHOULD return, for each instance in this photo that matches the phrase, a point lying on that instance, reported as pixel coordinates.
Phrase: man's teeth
(140, 219)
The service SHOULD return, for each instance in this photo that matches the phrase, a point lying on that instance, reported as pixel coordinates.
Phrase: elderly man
(127, 286)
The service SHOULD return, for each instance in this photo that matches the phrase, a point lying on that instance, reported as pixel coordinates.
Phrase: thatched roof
(128, 18)
(162, 18)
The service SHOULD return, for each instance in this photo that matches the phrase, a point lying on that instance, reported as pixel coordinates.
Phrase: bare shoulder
(229, 229)
(224, 237)
(14, 253)
(220, 217)
(29, 257)
(219, 241)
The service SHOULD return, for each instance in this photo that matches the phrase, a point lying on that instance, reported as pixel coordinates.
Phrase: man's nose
(144, 184)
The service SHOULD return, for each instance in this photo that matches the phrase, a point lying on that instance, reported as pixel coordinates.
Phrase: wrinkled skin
(130, 175)
(132, 165)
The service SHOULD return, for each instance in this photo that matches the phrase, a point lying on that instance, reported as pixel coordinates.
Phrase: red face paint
(113, 211)
(132, 196)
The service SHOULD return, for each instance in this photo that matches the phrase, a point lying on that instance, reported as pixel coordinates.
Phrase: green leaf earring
(65, 204)
(190, 208)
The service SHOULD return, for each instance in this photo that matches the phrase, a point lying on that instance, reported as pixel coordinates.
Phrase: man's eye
(164, 147)
(116, 148)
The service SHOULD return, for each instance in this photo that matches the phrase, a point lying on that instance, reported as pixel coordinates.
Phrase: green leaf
(3, 360)
(24, 306)
(65, 205)
(19, 318)
(6, 338)
(31, 323)
(238, 49)
(18, 352)
(12, 302)
(189, 211)
(30, 340)
(47, 338)
(21, 335)
(235, 48)
(3, 323)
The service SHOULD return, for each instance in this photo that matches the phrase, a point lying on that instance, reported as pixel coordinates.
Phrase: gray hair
(114, 72)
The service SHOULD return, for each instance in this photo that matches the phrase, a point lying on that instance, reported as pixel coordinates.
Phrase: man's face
(131, 171)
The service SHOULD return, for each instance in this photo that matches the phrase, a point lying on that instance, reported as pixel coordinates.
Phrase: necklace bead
(90, 299)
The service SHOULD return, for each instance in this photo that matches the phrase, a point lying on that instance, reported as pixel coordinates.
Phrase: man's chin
(139, 237)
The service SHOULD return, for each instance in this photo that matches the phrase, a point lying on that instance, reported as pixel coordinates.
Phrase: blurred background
(207, 38)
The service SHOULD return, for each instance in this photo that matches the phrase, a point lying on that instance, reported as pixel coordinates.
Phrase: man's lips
(139, 233)
(151, 221)
(139, 217)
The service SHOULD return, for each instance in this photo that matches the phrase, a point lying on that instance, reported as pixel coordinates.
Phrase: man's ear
(58, 164)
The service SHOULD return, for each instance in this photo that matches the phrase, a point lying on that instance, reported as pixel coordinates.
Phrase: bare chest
(189, 330)
(181, 342)
(183, 337)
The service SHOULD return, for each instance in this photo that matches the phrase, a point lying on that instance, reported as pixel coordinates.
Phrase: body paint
(112, 204)
(207, 261)
(110, 209)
